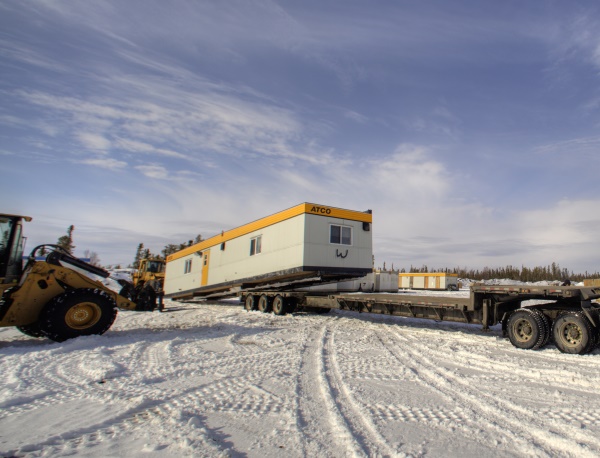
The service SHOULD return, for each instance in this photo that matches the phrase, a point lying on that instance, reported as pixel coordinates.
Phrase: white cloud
(154, 171)
(94, 141)
(354, 116)
(105, 163)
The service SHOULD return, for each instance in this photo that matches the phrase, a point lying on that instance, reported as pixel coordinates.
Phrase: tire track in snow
(134, 420)
(546, 376)
(318, 412)
(500, 415)
(540, 369)
(372, 442)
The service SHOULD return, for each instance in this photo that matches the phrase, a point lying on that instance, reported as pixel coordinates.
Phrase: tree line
(66, 242)
(145, 253)
(550, 272)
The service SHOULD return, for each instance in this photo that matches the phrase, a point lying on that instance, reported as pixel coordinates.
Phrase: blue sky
(470, 128)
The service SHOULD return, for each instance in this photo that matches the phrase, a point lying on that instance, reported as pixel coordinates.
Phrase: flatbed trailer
(568, 315)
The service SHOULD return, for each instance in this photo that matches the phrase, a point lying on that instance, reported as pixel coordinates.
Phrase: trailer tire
(78, 312)
(250, 303)
(573, 333)
(264, 304)
(526, 329)
(596, 328)
(280, 305)
(547, 326)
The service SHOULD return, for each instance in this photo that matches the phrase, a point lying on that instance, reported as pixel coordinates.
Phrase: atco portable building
(428, 280)
(302, 242)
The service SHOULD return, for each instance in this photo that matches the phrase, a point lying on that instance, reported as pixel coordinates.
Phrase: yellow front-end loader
(147, 282)
(57, 296)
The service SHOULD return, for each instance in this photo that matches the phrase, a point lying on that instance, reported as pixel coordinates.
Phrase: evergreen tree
(66, 241)
(138, 255)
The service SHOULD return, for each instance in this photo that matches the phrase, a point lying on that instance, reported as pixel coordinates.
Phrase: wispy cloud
(154, 171)
(105, 163)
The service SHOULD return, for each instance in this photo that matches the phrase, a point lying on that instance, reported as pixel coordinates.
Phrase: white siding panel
(321, 253)
(177, 280)
(281, 249)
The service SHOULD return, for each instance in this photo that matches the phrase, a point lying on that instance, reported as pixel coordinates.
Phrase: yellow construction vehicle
(147, 281)
(57, 296)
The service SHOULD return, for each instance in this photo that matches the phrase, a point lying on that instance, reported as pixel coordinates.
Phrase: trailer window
(255, 245)
(188, 266)
(340, 235)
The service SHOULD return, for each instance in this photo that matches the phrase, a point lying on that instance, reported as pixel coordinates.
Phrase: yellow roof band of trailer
(313, 209)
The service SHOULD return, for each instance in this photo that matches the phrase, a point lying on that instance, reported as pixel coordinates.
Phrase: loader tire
(127, 290)
(31, 330)
(78, 312)
(145, 300)
(526, 329)
(573, 333)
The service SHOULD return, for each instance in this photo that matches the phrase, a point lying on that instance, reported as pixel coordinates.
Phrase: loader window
(155, 267)
(340, 235)
(5, 230)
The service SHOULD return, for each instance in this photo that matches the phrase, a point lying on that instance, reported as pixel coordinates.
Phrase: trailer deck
(565, 313)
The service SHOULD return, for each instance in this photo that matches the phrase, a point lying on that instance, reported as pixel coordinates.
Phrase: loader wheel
(127, 290)
(280, 305)
(145, 300)
(31, 330)
(573, 333)
(79, 312)
(526, 329)
(250, 303)
(264, 303)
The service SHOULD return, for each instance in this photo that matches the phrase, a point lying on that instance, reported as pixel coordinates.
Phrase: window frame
(187, 267)
(256, 245)
(341, 228)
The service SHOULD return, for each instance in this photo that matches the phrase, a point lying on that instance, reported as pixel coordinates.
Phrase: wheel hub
(83, 315)
(523, 329)
(572, 333)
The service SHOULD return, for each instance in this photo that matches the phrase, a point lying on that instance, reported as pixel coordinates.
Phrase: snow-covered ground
(214, 380)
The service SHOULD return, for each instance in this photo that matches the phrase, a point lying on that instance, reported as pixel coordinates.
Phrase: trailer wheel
(526, 329)
(31, 330)
(596, 316)
(280, 305)
(573, 333)
(250, 303)
(547, 326)
(264, 303)
(79, 312)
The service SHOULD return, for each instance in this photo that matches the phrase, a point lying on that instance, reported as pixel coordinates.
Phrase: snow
(210, 379)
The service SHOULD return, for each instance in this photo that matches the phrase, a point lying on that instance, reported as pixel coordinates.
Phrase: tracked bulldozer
(55, 295)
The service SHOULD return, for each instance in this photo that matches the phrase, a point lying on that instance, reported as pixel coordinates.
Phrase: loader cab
(154, 266)
(11, 247)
